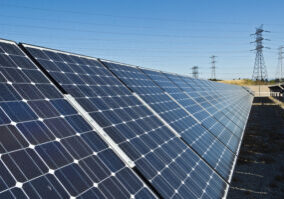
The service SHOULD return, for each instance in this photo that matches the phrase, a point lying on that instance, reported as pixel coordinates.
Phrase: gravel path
(259, 172)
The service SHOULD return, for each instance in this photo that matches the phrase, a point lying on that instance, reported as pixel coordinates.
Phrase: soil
(259, 172)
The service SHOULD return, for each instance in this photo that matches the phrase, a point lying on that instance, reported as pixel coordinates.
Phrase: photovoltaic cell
(170, 166)
(229, 104)
(193, 103)
(191, 131)
(225, 98)
(207, 146)
(47, 150)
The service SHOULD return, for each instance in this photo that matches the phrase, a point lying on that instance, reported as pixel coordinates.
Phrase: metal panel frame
(100, 130)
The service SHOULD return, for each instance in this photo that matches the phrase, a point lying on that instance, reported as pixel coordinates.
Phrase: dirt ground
(259, 172)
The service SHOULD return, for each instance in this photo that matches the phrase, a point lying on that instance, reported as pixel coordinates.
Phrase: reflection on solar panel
(204, 100)
(228, 98)
(47, 149)
(74, 126)
(199, 104)
(170, 166)
(194, 134)
(223, 157)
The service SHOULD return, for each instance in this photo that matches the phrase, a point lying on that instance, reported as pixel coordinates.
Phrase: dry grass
(244, 82)
(236, 82)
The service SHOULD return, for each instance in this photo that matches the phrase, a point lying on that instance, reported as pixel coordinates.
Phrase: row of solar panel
(182, 134)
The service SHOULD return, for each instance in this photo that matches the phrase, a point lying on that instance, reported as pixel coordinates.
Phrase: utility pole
(259, 70)
(213, 67)
(195, 71)
(279, 73)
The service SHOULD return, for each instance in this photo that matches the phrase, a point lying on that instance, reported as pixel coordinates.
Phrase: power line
(118, 16)
(114, 25)
(151, 50)
(115, 33)
(121, 26)
(126, 16)
(71, 39)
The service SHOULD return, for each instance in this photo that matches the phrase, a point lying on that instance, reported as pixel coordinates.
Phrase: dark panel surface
(47, 149)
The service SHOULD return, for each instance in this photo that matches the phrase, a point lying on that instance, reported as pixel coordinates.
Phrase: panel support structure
(99, 130)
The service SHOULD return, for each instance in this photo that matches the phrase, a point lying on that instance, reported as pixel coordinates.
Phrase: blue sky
(162, 34)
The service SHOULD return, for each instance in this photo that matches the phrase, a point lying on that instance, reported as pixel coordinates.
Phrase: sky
(165, 35)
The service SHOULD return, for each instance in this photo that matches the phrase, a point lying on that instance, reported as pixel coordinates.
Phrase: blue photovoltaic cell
(172, 168)
(47, 149)
(212, 98)
(225, 98)
(205, 144)
(204, 100)
(225, 135)
(11, 139)
(217, 104)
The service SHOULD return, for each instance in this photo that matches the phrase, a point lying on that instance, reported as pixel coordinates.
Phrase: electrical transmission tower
(259, 70)
(213, 67)
(279, 72)
(195, 71)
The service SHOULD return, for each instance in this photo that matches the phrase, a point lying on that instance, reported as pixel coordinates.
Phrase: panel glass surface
(47, 149)
(229, 104)
(196, 104)
(209, 146)
(171, 167)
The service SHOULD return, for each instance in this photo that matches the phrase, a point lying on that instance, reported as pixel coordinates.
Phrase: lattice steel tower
(195, 71)
(259, 70)
(213, 67)
(280, 70)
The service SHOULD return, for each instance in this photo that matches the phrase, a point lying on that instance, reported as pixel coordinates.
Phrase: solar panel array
(156, 151)
(209, 139)
(76, 126)
(47, 149)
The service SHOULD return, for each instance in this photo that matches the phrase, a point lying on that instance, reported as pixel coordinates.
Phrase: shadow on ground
(259, 172)
(265, 100)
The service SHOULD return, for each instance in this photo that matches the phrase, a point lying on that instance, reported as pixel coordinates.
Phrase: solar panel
(168, 165)
(188, 128)
(47, 149)
(204, 102)
(223, 103)
(231, 100)
(211, 145)
(230, 96)
(199, 101)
